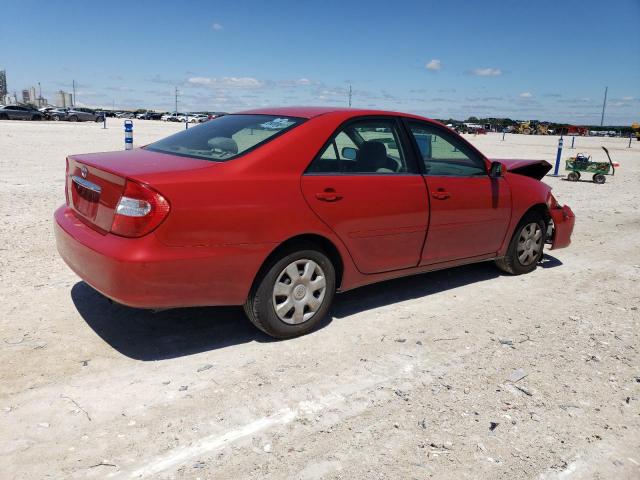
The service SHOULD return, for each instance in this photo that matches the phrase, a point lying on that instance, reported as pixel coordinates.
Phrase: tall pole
(176, 92)
(604, 104)
(73, 100)
(350, 93)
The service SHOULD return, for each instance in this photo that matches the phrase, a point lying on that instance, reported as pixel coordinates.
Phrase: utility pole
(176, 92)
(604, 105)
(350, 94)
(73, 100)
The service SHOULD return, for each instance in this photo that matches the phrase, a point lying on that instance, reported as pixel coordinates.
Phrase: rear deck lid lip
(139, 162)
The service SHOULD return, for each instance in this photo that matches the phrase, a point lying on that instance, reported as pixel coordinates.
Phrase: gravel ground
(412, 378)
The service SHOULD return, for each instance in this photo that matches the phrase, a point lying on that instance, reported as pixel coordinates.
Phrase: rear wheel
(573, 177)
(73, 118)
(526, 247)
(599, 178)
(3, 116)
(36, 118)
(293, 293)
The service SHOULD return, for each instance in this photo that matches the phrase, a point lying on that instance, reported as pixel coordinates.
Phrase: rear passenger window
(363, 147)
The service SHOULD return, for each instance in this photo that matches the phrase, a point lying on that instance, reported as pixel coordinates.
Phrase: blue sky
(544, 59)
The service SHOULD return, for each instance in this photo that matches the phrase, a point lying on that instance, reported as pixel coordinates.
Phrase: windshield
(225, 137)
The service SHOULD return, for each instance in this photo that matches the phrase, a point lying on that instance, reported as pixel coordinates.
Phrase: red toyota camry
(277, 209)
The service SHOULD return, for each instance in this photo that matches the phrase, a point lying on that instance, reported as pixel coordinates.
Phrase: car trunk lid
(96, 181)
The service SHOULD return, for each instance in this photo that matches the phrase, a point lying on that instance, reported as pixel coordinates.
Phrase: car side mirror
(349, 153)
(497, 170)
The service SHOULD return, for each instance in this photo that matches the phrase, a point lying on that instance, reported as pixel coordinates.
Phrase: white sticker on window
(277, 124)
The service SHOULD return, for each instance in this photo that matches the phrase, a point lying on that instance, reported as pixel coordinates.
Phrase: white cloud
(216, 26)
(300, 82)
(434, 65)
(226, 82)
(486, 72)
(526, 95)
(627, 98)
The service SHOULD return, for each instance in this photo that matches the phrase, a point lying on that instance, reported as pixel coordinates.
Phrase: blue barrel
(128, 135)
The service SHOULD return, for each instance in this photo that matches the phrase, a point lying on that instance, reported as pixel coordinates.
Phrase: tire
(36, 118)
(524, 241)
(275, 285)
(3, 116)
(73, 118)
(573, 177)
(599, 178)
(55, 118)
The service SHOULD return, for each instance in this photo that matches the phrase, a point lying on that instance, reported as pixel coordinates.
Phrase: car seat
(372, 158)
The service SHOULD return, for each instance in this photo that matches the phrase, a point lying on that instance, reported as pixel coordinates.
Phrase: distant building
(3, 84)
(64, 99)
(29, 96)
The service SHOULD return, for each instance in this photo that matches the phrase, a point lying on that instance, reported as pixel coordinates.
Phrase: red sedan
(277, 209)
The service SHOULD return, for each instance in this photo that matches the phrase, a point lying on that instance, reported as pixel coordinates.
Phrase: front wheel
(573, 177)
(73, 118)
(293, 293)
(526, 247)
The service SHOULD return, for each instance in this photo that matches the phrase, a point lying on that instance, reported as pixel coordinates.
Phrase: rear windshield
(226, 137)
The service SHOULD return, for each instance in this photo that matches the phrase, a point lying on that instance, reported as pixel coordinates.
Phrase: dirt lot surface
(413, 378)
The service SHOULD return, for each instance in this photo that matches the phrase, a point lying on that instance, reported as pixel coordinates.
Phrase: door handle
(440, 194)
(329, 195)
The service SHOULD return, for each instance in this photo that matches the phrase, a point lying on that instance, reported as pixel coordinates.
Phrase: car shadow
(150, 336)
(417, 286)
(159, 335)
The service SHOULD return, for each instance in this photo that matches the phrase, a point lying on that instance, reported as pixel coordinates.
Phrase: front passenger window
(445, 155)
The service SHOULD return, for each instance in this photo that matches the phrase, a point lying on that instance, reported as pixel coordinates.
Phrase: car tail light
(139, 211)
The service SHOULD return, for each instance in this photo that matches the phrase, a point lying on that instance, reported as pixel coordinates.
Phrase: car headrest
(371, 156)
(224, 143)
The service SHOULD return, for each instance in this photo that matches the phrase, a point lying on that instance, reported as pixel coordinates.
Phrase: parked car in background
(174, 117)
(57, 114)
(195, 219)
(76, 114)
(148, 115)
(198, 118)
(18, 112)
(125, 115)
(46, 112)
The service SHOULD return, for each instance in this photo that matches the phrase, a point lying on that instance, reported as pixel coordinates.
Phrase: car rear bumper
(563, 222)
(145, 273)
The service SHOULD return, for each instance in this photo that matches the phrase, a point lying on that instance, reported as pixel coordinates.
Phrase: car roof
(310, 112)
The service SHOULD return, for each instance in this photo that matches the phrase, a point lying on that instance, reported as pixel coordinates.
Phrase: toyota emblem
(84, 171)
